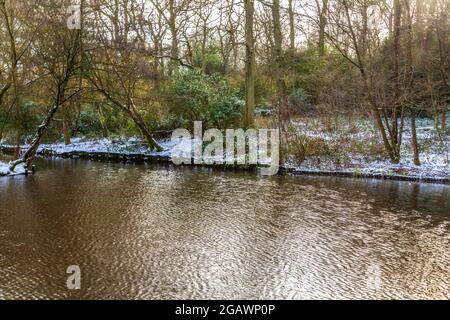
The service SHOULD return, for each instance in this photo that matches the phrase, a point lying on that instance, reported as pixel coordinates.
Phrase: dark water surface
(146, 232)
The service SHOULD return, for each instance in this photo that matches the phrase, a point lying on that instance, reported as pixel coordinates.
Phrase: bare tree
(60, 51)
(344, 18)
(249, 64)
(278, 71)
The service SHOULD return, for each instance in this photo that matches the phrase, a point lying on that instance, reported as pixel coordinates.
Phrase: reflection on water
(148, 232)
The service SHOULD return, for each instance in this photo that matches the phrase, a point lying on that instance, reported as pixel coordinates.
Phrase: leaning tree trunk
(30, 154)
(151, 142)
(140, 123)
(360, 55)
(103, 122)
(133, 114)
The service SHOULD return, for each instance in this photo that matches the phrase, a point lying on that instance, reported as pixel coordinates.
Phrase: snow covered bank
(4, 170)
(124, 147)
(352, 151)
(352, 156)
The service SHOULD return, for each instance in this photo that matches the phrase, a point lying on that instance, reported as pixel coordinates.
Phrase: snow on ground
(4, 170)
(128, 146)
(123, 146)
(434, 153)
(435, 150)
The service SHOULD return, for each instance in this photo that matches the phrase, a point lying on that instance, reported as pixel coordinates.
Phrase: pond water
(150, 232)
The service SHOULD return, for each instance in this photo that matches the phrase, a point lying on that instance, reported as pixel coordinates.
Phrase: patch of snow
(123, 146)
(434, 153)
(127, 146)
(4, 169)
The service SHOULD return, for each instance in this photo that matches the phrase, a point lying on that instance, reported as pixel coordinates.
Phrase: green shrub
(193, 96)
(89, 122)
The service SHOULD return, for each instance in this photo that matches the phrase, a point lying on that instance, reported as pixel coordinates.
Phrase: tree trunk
(18, 143)
(133, 114)
(414, 143)
(102, 120)
(157, 72)
(409, 58)
(395, 117)
(8, 14)
(376, 109)
(174, 51)
(249, 119)
(365, 29)
(291, 25)
(379, 122)
(66, 128)
(2, 94)
(278, 73)
(444, 121)
(29, 155)
(436, 120)
(442, 37)
(322, 26)
(204, 58)
(151, 142)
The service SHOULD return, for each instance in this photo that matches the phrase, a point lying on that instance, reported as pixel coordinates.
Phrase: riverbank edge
(146, 158)
(5, 172)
